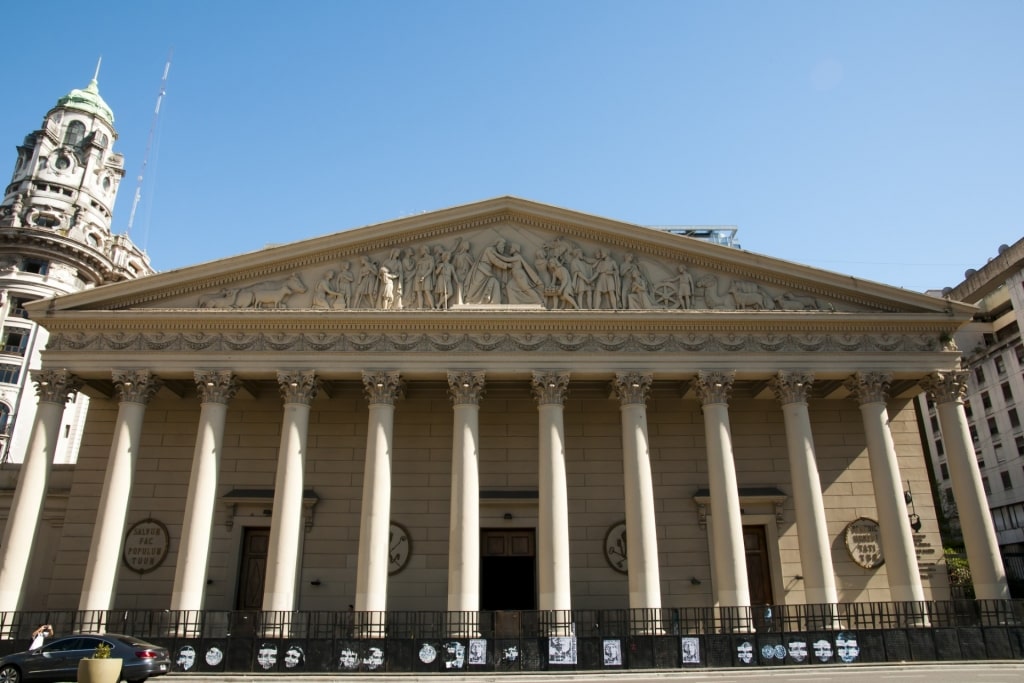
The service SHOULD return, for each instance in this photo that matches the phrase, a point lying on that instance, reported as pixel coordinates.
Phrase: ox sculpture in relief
(269, 294)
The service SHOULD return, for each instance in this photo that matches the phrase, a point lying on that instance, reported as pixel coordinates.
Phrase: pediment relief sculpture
(497, 271)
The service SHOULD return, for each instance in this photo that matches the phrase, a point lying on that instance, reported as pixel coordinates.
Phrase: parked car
(58, 659)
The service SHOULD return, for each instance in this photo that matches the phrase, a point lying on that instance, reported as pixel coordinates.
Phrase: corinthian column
(465, 388)
(382, 390)
(632, 389)
(215, 388)
(135, 388)
(732, 590)
(54, 388)
(987, 572)
(791, 388)
(872, 389)
(549, 390)
(298, 389)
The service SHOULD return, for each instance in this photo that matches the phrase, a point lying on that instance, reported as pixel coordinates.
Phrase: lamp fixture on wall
(913, 517)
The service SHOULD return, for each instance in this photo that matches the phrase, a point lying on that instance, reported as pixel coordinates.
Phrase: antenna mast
(149, 142)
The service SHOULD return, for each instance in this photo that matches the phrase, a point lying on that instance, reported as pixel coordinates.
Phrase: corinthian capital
(792, 387)
(948, 386)
(870, 387)
(136, 386)
(298, 386)
(632, 387)
(550, 387)
(466, 387)
(383, 387)
(714, 386)
(55, 386)
(216, 386)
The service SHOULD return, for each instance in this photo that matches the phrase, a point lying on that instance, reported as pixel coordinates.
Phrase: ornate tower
(55, 238)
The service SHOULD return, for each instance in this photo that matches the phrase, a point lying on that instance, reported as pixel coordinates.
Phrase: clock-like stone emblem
(615, 547)
(399, 548)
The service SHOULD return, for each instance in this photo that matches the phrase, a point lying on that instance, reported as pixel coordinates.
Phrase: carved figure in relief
(684, 287)
(16, 209)
(424, 280)
(750, 295)
(707, 288)
(394, 266)
(627, 273)
(561, 285)
(639, 297)
(408, 277)
(462, 261)
(366, 285)
(582, 278)
(445, 286)
(325, 295)
(524, 280)
(269, 294)
(344, 282)
(483, 285)
(606, 281)
(387, 288)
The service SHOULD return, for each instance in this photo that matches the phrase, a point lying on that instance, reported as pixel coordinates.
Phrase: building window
(944, 470)
(967, 410)
(1019, 350)
(1000, 365)
(974, 432)
(940, 450)
(979, 374)
(5, 418)
(37, 266)
(935, 425)
(1020, 445)
(9, 373)
(986, 401)
(998, 448)
(985, 486)
(1014, 417)
(75, 133)
(993, 428)
(1007, 392)
(1007, 484)
(15, 340)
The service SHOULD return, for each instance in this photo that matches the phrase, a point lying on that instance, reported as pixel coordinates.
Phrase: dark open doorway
(508, 569)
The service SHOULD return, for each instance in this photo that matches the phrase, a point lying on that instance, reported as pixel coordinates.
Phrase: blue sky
(879, 139)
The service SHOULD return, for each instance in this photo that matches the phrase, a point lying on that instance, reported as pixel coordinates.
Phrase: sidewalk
(927, 672)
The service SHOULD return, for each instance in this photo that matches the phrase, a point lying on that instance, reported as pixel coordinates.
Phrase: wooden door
(252, 569)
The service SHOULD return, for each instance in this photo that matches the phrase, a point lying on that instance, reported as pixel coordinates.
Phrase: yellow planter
(99, 671)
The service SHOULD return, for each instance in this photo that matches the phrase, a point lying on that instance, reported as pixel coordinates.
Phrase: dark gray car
(58, 659)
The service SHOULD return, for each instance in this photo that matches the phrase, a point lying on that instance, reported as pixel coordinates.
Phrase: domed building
(55, 238)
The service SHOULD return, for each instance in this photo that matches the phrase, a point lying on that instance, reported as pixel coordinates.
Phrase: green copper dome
(88, 100)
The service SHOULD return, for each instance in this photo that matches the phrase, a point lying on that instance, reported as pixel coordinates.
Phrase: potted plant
(100, 668)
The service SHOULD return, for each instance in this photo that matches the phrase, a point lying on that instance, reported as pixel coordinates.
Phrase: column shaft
(553, 518)
(375, 520)
(894, 526)
(987, 572)
(19, 537)
(641, 526)
(215, 389)
(135, 389)
(464, 525)
(298, 389)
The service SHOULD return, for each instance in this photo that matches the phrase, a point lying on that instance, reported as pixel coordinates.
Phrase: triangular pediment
(504, 254)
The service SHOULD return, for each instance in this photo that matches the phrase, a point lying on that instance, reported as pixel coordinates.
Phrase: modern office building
(993, 355)
(55, 238)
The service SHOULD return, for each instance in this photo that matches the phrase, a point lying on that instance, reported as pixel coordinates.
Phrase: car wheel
(10, 674)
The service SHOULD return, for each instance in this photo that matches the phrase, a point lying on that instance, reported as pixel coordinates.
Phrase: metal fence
(287, 642)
